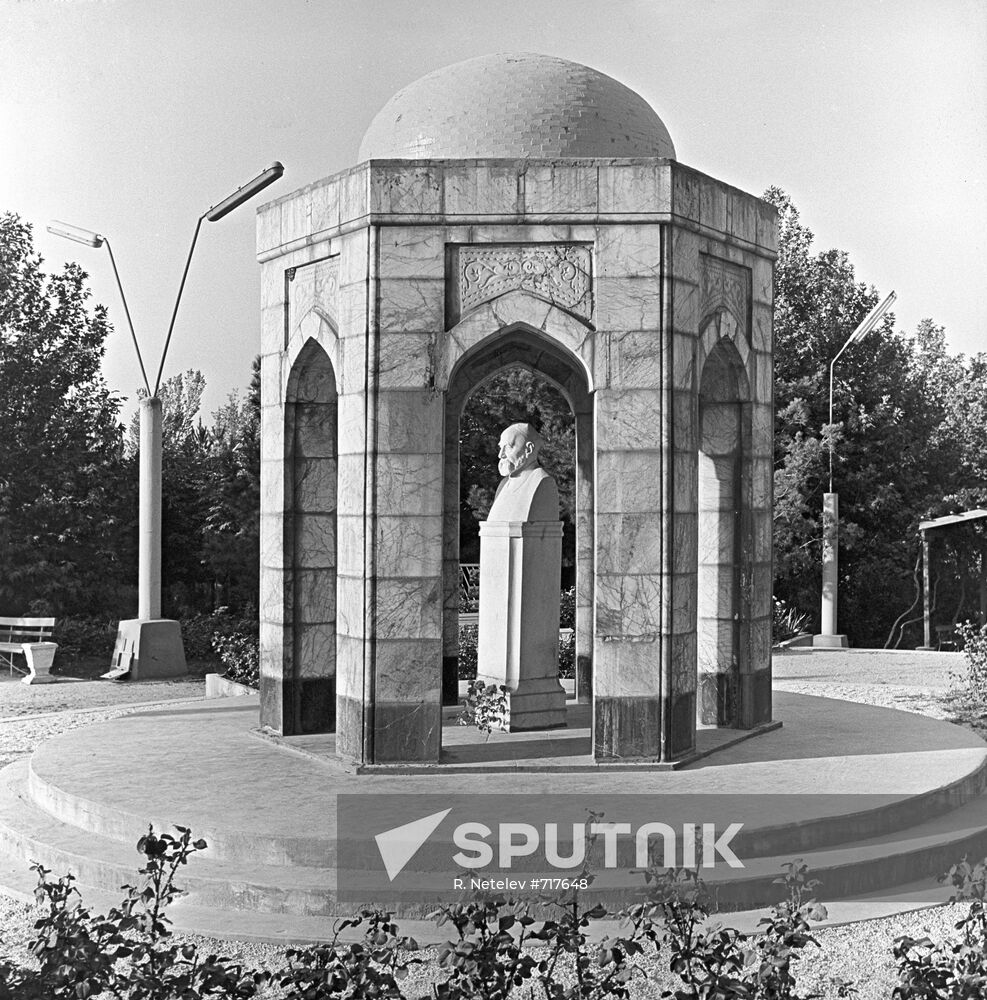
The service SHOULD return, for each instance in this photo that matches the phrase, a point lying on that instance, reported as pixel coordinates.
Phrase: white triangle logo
(398, 846)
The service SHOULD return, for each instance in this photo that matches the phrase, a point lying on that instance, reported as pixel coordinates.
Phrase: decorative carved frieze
(311, 290)
(560, 273)
(725, 287)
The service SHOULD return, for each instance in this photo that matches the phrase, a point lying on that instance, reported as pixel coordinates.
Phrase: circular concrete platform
(872, 798)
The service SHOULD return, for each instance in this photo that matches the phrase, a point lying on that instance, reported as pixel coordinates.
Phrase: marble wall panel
(762, 338)
(634, 188)
(628, 543)
(272, 329)
(628, 420)
(565, 188)
(353, 316)
(272, 486)
(314, 596)
(350, 478)
(763, 380)
(684, 362)
(315, 649)
(407, 190)
(315, 540)
(685, 420)
(762, 483)
(325, 205)
(296, 216)
(315, 483)
(685, 192)
(406, 360)
(350, 544)
(685, 249)
(350, 604)
(483, 190)
(354, 194)
(409, 607)
(510, 233)
(628, 304)
(409, 545)
(684, 543)
(628, 605)
(412, 252)
(683, 654)
(762, 429)
(350, 666)
(410, 484)
(354, 252)
(712, 204)
(685, 306)
(351, 416)
(682, 590)
(766, 225)
(411, 305)
(268, 227)
(685, 481)
(410, 421)
(628, 251)
(408, 670)
(635, 359)
(624, 669)
(762, 284)
(628, 481)
(742, 216)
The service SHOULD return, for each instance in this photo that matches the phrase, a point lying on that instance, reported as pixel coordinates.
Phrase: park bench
(30, 638)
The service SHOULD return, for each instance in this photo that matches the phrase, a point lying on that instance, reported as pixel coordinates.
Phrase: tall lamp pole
(828, 634)
(149, 646)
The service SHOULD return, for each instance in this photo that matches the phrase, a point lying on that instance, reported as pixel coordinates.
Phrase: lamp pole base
(830, 642)
(148, 649)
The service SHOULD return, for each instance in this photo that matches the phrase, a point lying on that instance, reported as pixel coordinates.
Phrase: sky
(132, 117)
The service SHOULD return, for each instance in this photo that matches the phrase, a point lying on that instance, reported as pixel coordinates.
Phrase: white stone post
(149, 520)
(828, 635)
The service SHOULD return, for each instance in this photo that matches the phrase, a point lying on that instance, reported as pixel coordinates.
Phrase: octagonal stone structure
(641, 287)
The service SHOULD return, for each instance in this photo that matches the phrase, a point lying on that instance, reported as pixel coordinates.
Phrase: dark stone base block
(631, 728)
(756, 698)
(394, 733)
(718, 700)
(584, 679)
(296, 706)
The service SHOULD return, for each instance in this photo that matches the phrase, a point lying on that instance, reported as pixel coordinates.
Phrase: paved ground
(860, 952)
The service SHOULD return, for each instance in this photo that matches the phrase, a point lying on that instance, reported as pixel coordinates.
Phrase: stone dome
(515, 105)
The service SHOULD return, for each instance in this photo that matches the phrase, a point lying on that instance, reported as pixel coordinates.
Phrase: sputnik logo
(398, 846)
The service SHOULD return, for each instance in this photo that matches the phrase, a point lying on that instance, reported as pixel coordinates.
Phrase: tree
(908, 433)
(63, 495)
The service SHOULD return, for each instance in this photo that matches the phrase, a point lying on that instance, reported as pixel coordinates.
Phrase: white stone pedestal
(147, 650)
(518, 637)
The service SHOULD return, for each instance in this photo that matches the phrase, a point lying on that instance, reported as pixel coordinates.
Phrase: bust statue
(527, 492)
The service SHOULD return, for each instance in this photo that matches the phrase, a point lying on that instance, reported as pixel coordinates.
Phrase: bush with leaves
(975, 650)
(954, 969)
(485, 707)
(239, 651)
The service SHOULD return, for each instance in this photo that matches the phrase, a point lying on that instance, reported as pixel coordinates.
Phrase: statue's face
(514, 454)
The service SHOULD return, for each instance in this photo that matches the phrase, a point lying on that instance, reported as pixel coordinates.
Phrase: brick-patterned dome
(515, 105)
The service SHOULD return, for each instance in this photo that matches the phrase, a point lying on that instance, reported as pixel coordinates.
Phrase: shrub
(787, 621)
(467, 652)
(567, 608)
(975, 649)
(239, 652)
(90, 637)
(485, 706)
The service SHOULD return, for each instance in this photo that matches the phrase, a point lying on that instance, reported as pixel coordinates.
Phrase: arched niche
(519, 346)
(309, 689)
(724, 550)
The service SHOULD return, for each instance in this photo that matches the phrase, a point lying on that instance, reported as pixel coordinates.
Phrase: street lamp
(149, 646)
(828, 635)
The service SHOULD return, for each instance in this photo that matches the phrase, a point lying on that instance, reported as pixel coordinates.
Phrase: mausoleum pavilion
(516, 210)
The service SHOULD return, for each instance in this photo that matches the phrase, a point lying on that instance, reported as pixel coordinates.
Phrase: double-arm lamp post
(828, 635)
(149, 646)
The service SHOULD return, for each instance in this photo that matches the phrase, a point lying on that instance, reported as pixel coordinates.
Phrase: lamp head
(245, 193)
(75, 234)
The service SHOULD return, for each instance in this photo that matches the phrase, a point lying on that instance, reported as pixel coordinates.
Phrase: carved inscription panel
(560, 273)
(725, 287)
(312, 297)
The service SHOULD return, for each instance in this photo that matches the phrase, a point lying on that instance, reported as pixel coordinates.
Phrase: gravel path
(860, 952)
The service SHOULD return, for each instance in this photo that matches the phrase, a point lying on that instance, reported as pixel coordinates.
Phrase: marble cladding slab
(628, 303)
(685, 477)
(314, 484)
(315, 649)
(627, 669)
(410, 305)
(482, 189)
(350, 544)
(409, 545)
(315, 595)
(409, 608)
(685, 421)
(628, 543)
(413, 252)
(351, 606)
(562, 188)
(353, 316)
(409, 670)
(628, 606)
(407, 190)
(410, 483)
(315, 540)
(685, 542)
(635, 359)
(628, 420)
(350, 478)
(350, 666)
(410, 421)
(406, 360)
